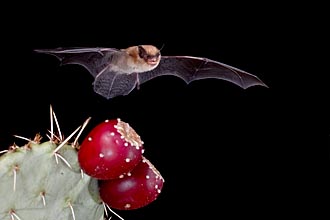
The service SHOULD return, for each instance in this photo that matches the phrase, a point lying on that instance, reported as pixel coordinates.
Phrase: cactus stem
(34, 163)
(63, 159)
(13, 215)
(66, 140)
(72, 211)
(106, 213)
(42, 194)
(82, 128)
(15, 176)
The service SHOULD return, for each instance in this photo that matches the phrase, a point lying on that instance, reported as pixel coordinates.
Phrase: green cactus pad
(40, 184)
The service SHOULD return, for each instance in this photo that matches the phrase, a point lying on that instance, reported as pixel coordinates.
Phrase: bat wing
(95, 60)
(110, 84)
(195, 68)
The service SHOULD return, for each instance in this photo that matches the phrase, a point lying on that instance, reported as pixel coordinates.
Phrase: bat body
(117, 72)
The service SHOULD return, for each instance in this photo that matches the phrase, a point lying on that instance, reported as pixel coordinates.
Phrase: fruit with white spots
(111, 149)
(133, 190)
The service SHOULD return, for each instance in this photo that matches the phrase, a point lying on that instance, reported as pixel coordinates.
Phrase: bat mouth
(152, 61)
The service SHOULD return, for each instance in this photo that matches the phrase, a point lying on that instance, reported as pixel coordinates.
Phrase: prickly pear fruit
(38, 182)
(111, 149)
(133, 190)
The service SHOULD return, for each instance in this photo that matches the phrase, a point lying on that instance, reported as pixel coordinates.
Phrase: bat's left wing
(191, 68)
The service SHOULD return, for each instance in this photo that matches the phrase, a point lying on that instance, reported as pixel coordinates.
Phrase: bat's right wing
(107, 82)
(95, 60)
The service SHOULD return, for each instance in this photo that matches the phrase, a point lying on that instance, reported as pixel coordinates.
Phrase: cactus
(43, 181)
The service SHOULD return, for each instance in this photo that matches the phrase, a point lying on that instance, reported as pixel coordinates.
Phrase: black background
(222, 150)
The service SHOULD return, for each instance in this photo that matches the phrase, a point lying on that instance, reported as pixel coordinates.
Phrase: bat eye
(152, 56)
(157, 55)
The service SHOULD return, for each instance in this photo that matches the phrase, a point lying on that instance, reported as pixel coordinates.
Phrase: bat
(117, 72)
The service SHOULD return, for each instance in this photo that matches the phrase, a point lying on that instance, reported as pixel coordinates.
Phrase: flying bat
(117, 72)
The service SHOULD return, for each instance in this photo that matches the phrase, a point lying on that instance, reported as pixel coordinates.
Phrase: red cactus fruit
(111, 149)
(133, 190)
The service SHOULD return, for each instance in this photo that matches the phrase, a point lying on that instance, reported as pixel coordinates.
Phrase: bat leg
(137, 81)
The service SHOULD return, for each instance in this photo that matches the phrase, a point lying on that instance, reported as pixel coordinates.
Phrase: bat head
(150, 54)
(143, 57)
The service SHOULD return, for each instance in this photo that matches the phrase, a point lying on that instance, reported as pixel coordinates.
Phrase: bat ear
(142, 51)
